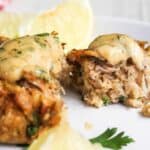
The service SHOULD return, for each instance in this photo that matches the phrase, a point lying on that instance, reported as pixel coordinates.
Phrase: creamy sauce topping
(29, 53)
(117, 47)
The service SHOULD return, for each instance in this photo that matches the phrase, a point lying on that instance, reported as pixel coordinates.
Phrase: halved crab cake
(30, 70)
(112, 70)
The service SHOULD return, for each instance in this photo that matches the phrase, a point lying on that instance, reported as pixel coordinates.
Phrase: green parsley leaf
(56, 38)
(36, 119)
(39, 40)
(121, 98)
(106, 100)
(110, 139)
(43, 34)
(42, 74)
(34, 126)
(1, 48)
(31, 130)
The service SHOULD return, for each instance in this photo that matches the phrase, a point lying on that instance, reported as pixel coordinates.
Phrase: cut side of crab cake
(30, 89)
(112, 70)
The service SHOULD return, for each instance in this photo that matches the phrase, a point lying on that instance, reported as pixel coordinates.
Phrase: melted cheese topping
(117, 47)
(28, 54)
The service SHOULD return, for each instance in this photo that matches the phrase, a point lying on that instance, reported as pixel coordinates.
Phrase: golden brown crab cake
(30, 70)
(27, 108)
(112, 70)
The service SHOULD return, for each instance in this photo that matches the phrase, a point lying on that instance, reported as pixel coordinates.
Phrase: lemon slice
(72, 19)
(62, 137)
(9, 24)
(12, 24)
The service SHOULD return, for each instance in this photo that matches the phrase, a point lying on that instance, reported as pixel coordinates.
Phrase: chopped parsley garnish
(110, 139)
(36, 118)
(31, 130)
(42, 74)
(40, 41)
(34, 126)
(3, 58)
(139, 98)
(106, 100)
(14, 49)
(118, 37)
(56, 38)
(1, 48)
(15, 52)
(121, 98)
(19, 52)
(43, 34)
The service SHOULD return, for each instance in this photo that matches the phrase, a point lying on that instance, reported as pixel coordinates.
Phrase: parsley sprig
(110, 139)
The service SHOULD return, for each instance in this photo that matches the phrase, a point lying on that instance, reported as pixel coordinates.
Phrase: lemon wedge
(12, 24)
(72, 19)
(9, 24)
(62, 137)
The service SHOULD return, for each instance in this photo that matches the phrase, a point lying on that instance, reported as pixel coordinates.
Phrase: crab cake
(112, 70)
(30, 71)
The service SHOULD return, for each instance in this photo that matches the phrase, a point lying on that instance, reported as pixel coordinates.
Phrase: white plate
(125, 119)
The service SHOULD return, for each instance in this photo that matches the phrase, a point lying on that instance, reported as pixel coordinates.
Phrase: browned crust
(77, 56)
(18, 103)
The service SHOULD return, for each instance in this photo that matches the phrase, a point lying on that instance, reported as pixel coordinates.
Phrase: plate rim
(122, 20)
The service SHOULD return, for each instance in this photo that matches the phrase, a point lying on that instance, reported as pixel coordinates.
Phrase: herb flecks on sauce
(42, 74)
(56, 38)
(43, 34)
(3, 58)
(1, 49)
(40, 41)
(37, 50)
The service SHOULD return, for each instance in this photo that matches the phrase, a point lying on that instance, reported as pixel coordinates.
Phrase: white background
(131, 9)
